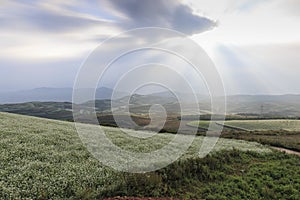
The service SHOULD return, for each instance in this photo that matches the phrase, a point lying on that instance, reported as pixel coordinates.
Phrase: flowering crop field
(45, 159)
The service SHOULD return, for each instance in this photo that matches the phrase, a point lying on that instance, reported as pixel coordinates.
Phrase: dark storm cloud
(189, 23)
(42, 38)
(126, 14)
(163, 13)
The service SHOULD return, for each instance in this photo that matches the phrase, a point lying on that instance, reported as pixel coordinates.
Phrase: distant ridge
(53, 94)
(275, 105)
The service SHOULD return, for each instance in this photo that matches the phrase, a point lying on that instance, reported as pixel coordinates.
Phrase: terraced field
(45, 159)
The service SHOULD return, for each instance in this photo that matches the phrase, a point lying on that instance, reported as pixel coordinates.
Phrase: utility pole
(261, 110)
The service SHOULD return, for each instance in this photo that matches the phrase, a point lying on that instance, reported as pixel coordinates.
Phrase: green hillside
(43, 159)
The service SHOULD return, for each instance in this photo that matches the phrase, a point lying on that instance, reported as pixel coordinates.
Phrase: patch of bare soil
(287, 151)
(139, 198)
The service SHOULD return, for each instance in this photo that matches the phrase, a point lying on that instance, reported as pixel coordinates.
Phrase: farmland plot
(252, 125)
(289, 125)
(46, 159)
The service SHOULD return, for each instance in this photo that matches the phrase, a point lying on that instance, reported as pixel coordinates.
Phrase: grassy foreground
(223, 175)
(45, 159)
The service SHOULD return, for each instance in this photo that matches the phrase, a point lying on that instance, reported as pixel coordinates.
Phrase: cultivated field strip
(46, 157)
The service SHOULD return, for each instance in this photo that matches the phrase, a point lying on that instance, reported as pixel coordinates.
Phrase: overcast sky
(254, 44)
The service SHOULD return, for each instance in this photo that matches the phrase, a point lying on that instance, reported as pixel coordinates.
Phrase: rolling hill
(45, 159)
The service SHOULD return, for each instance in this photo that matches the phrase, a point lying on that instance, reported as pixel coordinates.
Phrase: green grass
(45, 159)
(200, 124)
(222, 175)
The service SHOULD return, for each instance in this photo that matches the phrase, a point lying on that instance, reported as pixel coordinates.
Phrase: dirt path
(138, 198)
(286, 150)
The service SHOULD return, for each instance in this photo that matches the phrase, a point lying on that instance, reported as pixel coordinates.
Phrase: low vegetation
(284, 139)
(286, 133)
(222, 175)
(252, 125)
(255, 125)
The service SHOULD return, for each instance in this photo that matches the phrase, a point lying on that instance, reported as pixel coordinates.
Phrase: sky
(254, 44)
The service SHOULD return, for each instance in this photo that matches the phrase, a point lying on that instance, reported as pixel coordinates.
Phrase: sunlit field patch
(251, 125)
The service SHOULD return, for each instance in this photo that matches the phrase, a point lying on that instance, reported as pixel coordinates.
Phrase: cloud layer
(44, 42)
(166, 13)
(32, 29)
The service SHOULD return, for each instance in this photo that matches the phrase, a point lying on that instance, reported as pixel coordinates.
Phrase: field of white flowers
(45, 159)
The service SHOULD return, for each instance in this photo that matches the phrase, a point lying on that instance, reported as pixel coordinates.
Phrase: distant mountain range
(275, 105)
(53, 94)
(46, 94)
(281, 105)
